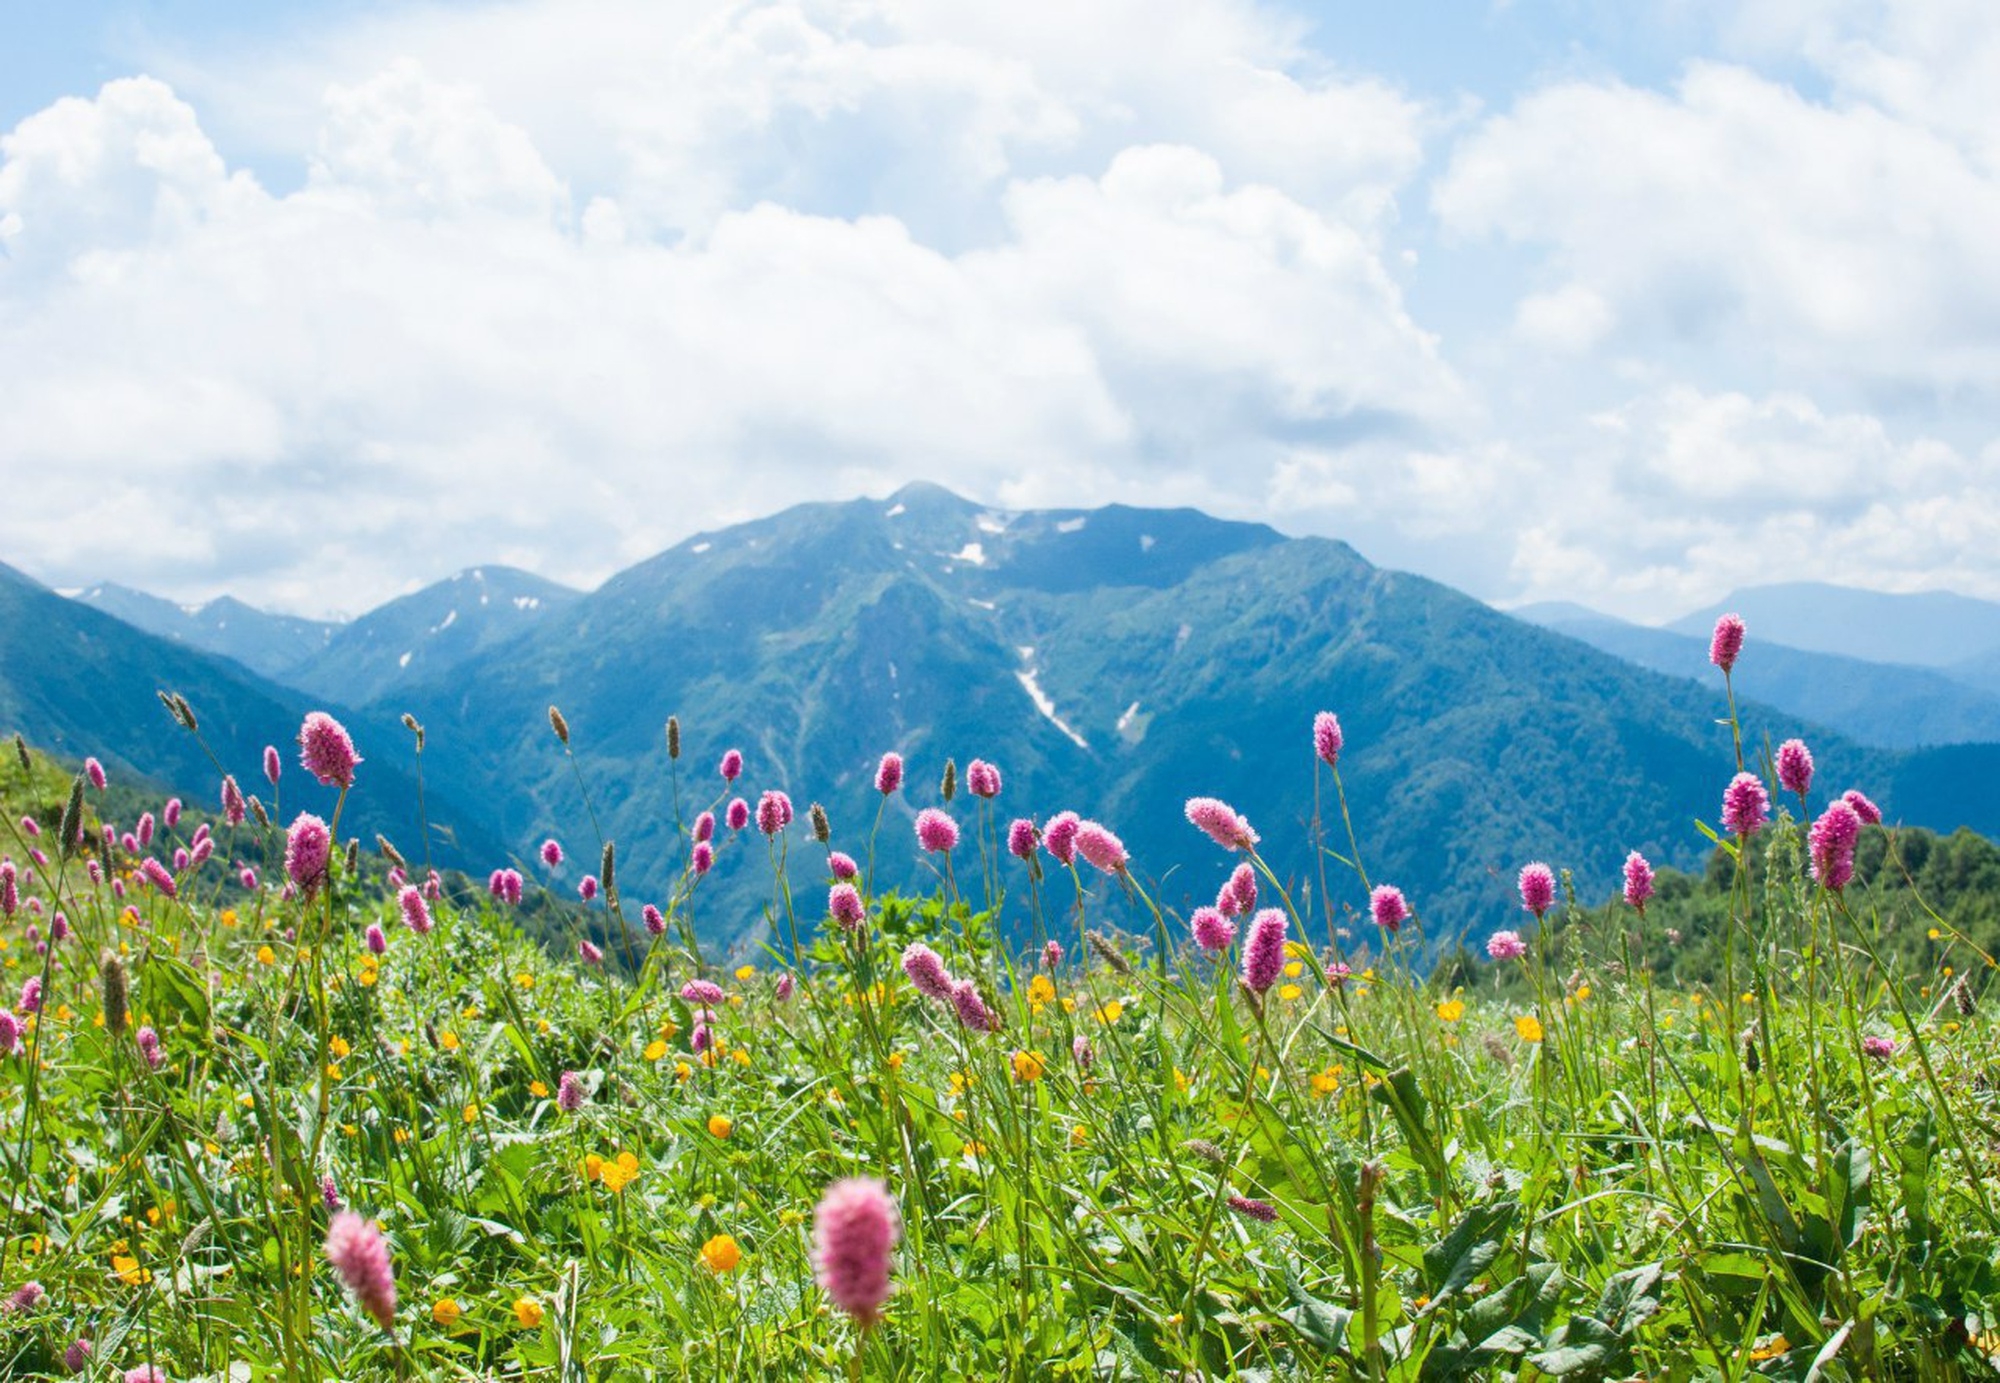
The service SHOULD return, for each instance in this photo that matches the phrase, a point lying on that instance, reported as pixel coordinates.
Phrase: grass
(1148, 1170)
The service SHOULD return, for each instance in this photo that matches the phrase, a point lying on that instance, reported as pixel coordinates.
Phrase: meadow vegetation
(280, 1103)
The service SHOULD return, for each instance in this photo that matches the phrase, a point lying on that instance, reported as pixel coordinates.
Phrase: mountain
(1898, 707)
(427, 633)
(1114, 661)
(265, 643)
(78, 682)
(1934, 629)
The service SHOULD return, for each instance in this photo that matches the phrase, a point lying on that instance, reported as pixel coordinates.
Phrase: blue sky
(1623, 303)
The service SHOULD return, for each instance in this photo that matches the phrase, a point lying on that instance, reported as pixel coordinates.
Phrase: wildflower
(1101, 848)
(158, 876)
(589, 952)
(10, 1032)
(1538, 888)
(704, 827)
(1506, 945)
(1028, 1066)
(1528, 1027)
(889, 774)
(271, 764)
(552, 853)
(1327, 738)
(706, 993)
(854, 1230)
(149, 1047)
(982, 779)
(843, 903)
(936, 831)
(720, 1125)
(510, 882)
(94, 771)
(416, 915)
(721, 1254)
(731, 767)
(569, 1092)
(1059, 836)
(31, 995)
(1022, 838)
(784, 989)
(1238, 894)
(1451, 1010)
(1052, 954)
(774, 812)
(1264, 950)
(146, 1373)
(972, 1010)
(26, 1298)
(1262, 1211)
(1795, 767)
(1870, 814)
(326, 751)
(1081, 1052)
(1388, 907)
(1212, 931)
(737, 814)
(1638, 881)
(656, 922)
(1726, 642)
(1338, 973)
(527, 1312)
(445, 1311)
(702, 858)
(1220, 821)
(1881, 1048)
(1745, 805)
(355, 1248)
(248, 878)
(1832, 841)
(77, 1357)
(308, 847)
(586, 889)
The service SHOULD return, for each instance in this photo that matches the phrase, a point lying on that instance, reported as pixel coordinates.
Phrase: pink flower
(26, 1297)
(1795, 767)
(706, 993)
(737, 814)
(1538, 888)
(377, 939)
(590, 953)
(1262, 1211)
(1506, 946)
(1870, 814)
(552, 853)
(842, 866)
(271, 764)
(774, 812)
(145, 832)
(569, 1092)
(355, 1248)
(94, 771)
(416, 914)
(1389, 908)
(1881, 1048)
(31, 995)
(1726, 642)
(1327, 738)
(1638, 880)
(655, 920)
(248, 878)
(159, 876)
(1052, 954)
(308, 846)
(936, 831)
(326, 752)
(233, 808)
(1338, 973)
(146, 1373)
(1745, 805)
(731, 767)
(701, 858)
(10, 1032)
(1238, 896)
(854, 1231)
(170, 815)
(1101, 848)
(972, 1010)
(1831, 841)
(784, 989)
(586, 888)
(926, 971)
(1082, 1053)
(1220, 821)
(149, 1047)
(1022, 839)
(1264, 950)
(704, 827)
(982, 779)
(77, 1357)
(1059, 836)
(843, 903)
(889, 774)
(1212, 930)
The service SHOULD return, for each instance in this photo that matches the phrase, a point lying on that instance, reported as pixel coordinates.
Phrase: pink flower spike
(590, 953)
(1727, 642)
(731, 767)
(272, 764)
(1264, 950)
(1638, 881)
(1388, 907)
(1538, 888)
(774, 812)
(982, 779)
(842, 866)
(355, 1248)
(843, 904)
(377, 939)
(552, 853)
(1221, 823)
(586, 889)
(1101, 848)
(704, 827)
(1870, 814)
(854, 1233)
(1059, 836)
(416, 913)
(1327, 738)
(926, 971)
(1746, 807)
(737, 815)
(1212, 930)
(1795, 767)
(655, 920)
(326, 751)
(94, 771)
(1506, 945)
(704, 993)
(1022, 839)
(936, 831)
(308, 847)
(889, 774)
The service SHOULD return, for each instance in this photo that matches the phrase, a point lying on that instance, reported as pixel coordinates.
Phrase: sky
(1628, 303)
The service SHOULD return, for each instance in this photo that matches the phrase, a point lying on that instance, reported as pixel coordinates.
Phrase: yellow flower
(615, 1176)
(332, 1071)
(1771, 1348)
(1451, 1010)
(229, 917)
(1528, 1027)
(1325, 1082)
(446, 1312)
(1294, 969)
(744, 972)
(719, 1125)
(1289, 992)
(528, 1312)
(1041, 990)
(1028, 1066)
(682, 1070)
(592, 1166)
(720, 1254)
(472, 1112)
(338, 1046)
(266, 956)
(128, 1269)
(448, 1040)
(656, 1050)
(739, 1056)
(1582, 992)
(1112, 1011)
(895, 1061)
(525, 981)
(1933, 934)
(1181, 1082)
(1078, 1136)
(538, 1090)
(629, 1162)
(469, 1011)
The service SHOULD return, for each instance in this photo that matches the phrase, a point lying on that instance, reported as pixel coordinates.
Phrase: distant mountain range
(1114, 661)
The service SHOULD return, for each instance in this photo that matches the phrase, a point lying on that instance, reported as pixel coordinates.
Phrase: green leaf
(1466, 1252)
(1321, 1324)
